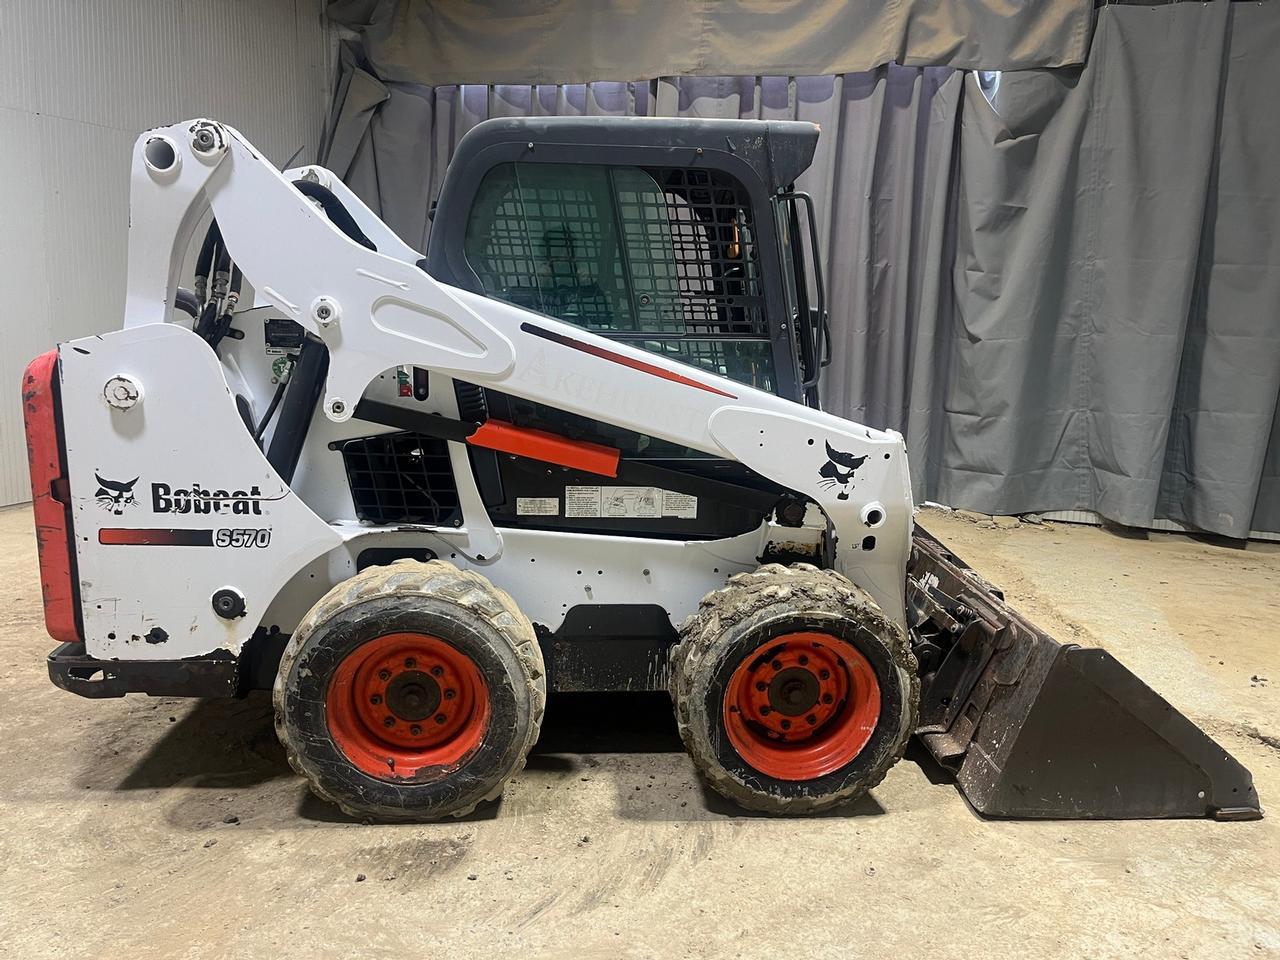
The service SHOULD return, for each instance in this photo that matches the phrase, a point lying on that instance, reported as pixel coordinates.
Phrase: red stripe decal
(131, 536)
(546, 447)
(603, 354)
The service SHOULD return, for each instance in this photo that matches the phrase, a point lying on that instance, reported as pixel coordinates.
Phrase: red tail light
(51, 498)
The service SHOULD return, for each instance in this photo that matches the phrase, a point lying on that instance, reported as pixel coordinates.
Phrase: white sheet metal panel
(81, 81)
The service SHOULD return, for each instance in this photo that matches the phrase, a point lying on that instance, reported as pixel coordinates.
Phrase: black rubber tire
(463, 609)
(750, 610)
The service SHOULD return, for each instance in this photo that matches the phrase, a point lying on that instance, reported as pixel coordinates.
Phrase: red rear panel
(50, 496)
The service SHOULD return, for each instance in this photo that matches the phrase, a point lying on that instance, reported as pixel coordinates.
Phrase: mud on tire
(724, 637)
(475, 628)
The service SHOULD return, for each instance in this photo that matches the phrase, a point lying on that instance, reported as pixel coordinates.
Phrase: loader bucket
(1038, 729)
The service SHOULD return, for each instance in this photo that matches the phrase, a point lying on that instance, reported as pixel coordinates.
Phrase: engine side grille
(401, 478)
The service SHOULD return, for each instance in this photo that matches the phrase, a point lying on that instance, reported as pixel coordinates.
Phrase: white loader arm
(376, 309)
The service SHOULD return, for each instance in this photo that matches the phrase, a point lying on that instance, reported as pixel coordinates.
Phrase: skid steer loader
(575, 447)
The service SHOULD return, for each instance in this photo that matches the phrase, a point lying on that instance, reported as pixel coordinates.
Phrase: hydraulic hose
(187, 302)
(335, 211)
(204, 262)
(271, 407)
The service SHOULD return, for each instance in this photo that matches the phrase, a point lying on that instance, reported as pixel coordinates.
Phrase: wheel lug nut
(761, 686)
(375, 699)
(437, 671)
(827, 698)
(389, 722)
(416, 730)
(824, 674)
(384, 674)
(776, 664)
(803, 660)
(441, 718)
(410, 663)
(811, 719)
(764, 711)
(786, 724)
(450, 694)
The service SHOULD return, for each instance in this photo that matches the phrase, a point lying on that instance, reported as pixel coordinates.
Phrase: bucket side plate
(1033, 728)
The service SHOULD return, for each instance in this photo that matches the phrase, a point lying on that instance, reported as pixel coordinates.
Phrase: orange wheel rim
(801, 706)
(407, 706)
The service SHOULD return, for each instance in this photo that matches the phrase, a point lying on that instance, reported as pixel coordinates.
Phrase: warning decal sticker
(538, 506)
(628, 502)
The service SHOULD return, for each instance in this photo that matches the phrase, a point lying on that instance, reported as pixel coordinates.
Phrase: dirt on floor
(171, 828)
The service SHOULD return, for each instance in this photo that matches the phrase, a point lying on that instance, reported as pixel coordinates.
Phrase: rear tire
(793, 692)
(410, 692)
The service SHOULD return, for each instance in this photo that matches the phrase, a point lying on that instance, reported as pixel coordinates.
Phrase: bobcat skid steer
(576, 447)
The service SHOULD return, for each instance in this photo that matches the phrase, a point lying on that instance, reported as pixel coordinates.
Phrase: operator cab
(679, 236)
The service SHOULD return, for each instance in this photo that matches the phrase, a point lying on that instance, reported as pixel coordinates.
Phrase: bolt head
(206, 141)
(122, 392)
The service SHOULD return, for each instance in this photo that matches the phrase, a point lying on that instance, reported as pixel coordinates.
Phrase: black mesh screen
(663, 256)
(691, 253)
(401, 478)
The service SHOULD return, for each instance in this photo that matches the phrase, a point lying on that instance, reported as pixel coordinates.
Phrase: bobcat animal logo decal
(838, 471)
(113, 495)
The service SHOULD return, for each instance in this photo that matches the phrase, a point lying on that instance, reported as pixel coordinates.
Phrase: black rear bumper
(75, 671)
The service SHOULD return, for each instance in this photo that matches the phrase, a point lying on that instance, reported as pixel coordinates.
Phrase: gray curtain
(579, 41)
(1062, 285)
(1116, 340)
(881, 179)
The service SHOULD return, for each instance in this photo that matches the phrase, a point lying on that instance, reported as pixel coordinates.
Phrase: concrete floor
(118, 829)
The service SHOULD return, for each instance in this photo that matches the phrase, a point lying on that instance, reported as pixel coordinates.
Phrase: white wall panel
(79, 82)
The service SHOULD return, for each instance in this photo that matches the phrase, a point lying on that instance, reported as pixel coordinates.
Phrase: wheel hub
(801, 705)
(793, 691)
(404, 702)
(413, 695)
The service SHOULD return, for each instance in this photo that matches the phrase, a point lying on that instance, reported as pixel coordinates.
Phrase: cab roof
(777, 150)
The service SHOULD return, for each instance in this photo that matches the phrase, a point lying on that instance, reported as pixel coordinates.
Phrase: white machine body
(152, 409)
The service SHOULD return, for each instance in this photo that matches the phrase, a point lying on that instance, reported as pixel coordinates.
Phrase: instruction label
(679, 505)
(628, 502)
(538, 506)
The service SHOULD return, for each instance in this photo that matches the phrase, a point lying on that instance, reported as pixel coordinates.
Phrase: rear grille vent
(401, 478)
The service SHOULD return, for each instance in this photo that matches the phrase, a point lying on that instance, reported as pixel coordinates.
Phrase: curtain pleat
(1063, 286)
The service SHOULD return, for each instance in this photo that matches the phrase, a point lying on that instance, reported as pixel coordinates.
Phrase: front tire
(793, 692)
(410, 692)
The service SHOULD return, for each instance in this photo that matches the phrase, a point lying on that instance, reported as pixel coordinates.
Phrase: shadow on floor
(218, 744)
(230, 747)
